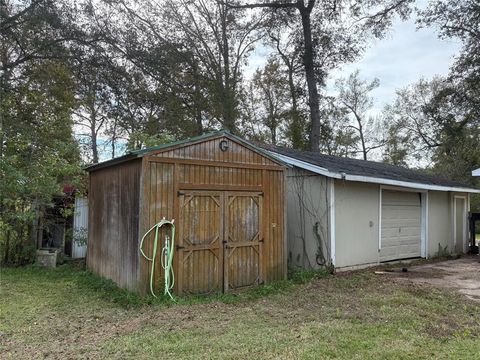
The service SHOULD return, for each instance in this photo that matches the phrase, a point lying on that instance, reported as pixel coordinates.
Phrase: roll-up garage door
(401, 225)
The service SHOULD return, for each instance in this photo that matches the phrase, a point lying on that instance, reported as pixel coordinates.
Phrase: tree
(93, 101)
(374, 15)
(354, 100)
(437, 129)
(458, 19)
(39, 155)
(271, 89)
(336, 138)
(397, 148)
(412, 124)
(31, 30)
(455, 106)
(220, 40)
(37, 150)
(196, 52)
(438, 121)
(148, 85)
(289, 52)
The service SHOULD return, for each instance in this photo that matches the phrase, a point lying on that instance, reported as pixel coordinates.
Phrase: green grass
(69, 313)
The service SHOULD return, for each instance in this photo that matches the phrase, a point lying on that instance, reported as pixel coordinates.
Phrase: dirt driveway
(461, 274)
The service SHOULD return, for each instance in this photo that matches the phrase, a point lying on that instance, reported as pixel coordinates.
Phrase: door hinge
(180, 193)
(179, 247)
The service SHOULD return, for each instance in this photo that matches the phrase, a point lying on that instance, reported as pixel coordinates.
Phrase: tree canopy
(82, 81)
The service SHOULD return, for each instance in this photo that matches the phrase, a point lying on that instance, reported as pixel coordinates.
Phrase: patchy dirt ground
(462, 275)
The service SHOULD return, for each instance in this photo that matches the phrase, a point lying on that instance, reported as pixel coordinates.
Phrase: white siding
(307, 219)
(80, 227)
(356, 223)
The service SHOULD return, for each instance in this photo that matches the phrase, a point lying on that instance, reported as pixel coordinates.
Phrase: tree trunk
(4, 89)
(93, 134)
(114, 138)
(6, 258)
(198, 120)
(198, 111)
(94, 146)
(40, 225)
(362, 137)
(296, 128)
(197, 97)
(228, 116)
(273, 134)
(313, 97)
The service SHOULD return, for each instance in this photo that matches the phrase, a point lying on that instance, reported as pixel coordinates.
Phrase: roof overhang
(111, 162)
(368, 179)
(476, 172)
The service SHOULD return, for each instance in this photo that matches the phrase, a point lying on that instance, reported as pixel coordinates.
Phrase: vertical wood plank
(156, 187)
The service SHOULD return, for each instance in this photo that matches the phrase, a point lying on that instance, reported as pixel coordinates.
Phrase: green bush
(15, 250)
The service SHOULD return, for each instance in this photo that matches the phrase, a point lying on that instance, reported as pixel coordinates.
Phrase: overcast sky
(402, 58)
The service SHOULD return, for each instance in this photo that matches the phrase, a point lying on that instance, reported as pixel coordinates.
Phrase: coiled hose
(166, 259)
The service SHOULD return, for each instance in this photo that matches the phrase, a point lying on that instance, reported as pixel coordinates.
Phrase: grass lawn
(68, 313)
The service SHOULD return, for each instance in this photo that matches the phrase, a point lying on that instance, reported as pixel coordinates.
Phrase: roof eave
(369, 179)
(114, 161)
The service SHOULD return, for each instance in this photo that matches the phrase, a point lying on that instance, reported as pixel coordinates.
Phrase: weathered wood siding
(157, 202)
(113, 223)
(169, 175)
(209, 150)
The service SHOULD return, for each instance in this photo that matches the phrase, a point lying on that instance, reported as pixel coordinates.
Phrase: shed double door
(220, 241)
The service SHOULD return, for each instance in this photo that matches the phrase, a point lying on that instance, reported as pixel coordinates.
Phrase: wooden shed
(227, 199)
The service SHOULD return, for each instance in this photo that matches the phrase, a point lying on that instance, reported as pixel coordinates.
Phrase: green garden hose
(166, 259)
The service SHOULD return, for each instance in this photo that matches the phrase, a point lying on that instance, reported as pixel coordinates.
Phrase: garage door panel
(400, 198)
(401, 225)
(393, 233)
(402, 212)
(399, 241)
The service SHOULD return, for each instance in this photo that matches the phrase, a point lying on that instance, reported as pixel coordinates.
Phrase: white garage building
(353, 213)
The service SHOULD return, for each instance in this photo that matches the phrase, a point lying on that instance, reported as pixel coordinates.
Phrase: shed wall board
(310, 190)
(112, 248)
(356, 223)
